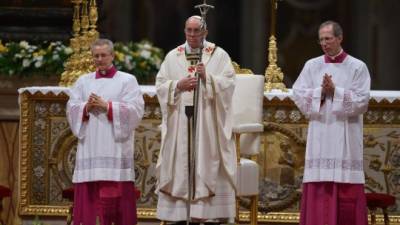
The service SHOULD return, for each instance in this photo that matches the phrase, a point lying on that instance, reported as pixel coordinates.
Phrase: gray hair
(102, 42)
(337, 29)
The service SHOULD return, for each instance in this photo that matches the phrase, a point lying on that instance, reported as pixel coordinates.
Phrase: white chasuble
(105, 148)
(335, 132)
(215, 172)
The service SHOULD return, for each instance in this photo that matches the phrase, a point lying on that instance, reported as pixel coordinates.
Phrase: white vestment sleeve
(307, 97)
(166, 88)
(128, 112)
(169, 100)
(224, 80)
(354, 100)
(75, 108)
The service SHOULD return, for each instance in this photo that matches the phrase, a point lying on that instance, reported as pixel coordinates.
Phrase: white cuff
(316, 100)
(337, 104)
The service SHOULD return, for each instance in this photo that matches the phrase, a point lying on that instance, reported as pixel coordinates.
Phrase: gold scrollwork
(27, 119)
(239, 70)
(281, 161)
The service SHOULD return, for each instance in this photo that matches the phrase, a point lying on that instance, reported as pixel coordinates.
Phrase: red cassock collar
(337, 59)
(109, 73)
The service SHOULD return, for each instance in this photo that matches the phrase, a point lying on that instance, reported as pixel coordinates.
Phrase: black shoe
(178, 223)
(183, 222)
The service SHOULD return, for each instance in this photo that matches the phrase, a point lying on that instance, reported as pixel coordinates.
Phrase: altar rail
(47, 149)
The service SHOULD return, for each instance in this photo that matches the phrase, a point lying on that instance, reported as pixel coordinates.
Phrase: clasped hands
(189, 83)
(328, 87)
(96, 104)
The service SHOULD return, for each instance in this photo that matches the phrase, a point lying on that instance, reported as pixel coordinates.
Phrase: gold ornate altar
(48, 147)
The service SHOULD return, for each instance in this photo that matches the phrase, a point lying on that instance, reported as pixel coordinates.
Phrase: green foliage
(23, 59)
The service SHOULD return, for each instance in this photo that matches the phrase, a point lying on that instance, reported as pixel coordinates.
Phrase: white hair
(196, 17)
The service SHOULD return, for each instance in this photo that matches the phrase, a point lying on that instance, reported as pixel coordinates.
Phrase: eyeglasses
(98, 56)
(325, 40)
(190, 31)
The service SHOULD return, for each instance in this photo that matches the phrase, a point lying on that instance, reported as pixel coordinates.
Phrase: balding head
(337, 29)
(193, 20)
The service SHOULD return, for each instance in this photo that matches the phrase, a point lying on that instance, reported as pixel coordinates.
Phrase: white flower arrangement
(24, 59)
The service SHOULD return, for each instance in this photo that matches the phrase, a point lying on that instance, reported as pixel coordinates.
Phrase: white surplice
(105, 148)
(335, 132)
(215, 176)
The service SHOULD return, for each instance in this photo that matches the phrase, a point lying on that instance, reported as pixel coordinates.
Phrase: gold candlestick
(72, 64)
(80, 62)
(273, 74)
(93, 34)
(93, 16)
(86, 55)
